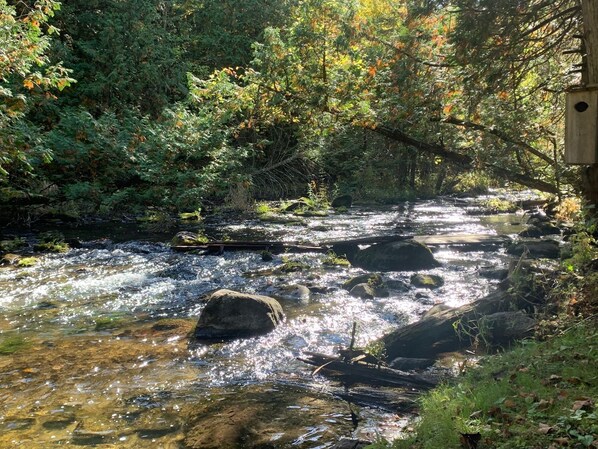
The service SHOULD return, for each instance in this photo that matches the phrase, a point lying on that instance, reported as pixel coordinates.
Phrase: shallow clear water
(107, 362)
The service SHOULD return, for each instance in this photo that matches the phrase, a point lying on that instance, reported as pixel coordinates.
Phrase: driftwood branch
(351, 372)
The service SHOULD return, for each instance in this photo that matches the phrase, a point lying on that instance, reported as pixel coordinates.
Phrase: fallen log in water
(351, 372)
(281, 247)
(350, 246)
(273, 247)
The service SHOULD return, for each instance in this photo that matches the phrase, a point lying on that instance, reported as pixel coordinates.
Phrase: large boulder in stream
(404, 255)
(229, 314)
(536, 249)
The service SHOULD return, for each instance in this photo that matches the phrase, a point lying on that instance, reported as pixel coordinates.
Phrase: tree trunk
(590, 39)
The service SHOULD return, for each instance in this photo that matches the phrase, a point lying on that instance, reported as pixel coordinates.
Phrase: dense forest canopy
(111, 105)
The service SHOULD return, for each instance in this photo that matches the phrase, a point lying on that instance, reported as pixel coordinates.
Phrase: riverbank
(541, 394)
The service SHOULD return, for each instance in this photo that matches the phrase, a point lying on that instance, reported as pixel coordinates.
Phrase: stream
(105, 360)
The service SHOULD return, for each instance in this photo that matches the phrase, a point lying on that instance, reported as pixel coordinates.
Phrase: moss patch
(11, 345)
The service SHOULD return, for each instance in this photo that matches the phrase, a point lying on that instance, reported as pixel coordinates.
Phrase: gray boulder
(405, 255)
(229, 314)
(376, 286)
(363, 291)
(504, 327)
(186, 238)
(342, 201)
(536, 249)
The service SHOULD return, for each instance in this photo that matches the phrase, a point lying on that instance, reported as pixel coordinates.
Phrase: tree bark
(590, 38)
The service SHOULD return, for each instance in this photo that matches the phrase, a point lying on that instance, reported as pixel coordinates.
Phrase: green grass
(540, 395)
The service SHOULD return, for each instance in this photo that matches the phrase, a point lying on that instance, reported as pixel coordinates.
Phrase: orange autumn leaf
(28, 84)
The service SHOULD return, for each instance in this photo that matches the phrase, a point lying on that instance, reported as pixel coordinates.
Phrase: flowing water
(101, 354)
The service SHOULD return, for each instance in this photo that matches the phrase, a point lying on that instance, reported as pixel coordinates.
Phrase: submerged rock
(229, 314)
(405, 255)
(266, 417)
(351, 443)
(295, 293)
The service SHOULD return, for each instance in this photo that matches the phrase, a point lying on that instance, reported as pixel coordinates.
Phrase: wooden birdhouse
(581, 127)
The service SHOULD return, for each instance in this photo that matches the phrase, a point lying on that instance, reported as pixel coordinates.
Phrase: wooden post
(590, 39)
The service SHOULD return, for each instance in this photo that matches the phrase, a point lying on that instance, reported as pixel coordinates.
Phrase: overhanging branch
(461, 159)
(501, 135)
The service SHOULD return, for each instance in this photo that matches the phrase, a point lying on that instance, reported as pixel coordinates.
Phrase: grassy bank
(539, 395)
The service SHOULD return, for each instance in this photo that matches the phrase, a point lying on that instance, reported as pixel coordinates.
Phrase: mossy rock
(373, 279)
(186, 238)
(52, 242)
(190, 216)
(376, 286)
(27, 262)
(537, 249)
(430, 281)
(52, 247)
(267, 256)
(292, 266)
(229, 314)
(332, 260)
(344, 201)
(311, 213)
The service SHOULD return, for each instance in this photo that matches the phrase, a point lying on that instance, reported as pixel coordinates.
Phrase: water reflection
(106, 359)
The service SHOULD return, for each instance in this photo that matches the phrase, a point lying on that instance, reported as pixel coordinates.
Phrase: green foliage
(27, 262)
(584, 251)
(125, 55)
(499, 206)
(25, 74)
(7, 246)
(292, 266)
(264, 208)
(472, 183)
(333, 260)
(52, 242)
